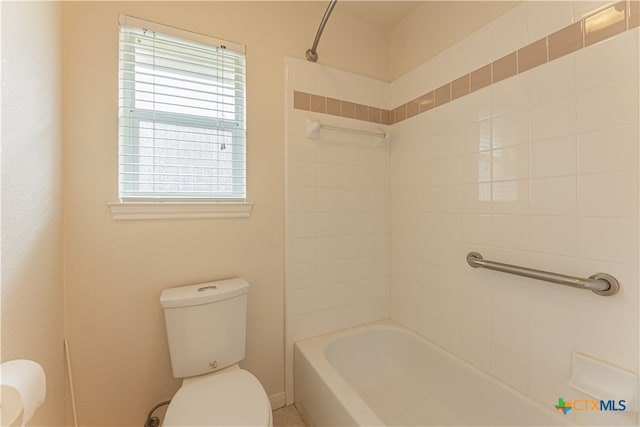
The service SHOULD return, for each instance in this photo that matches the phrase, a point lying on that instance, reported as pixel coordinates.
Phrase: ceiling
(382, 14)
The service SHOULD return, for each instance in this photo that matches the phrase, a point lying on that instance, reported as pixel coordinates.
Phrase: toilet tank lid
(203, 293)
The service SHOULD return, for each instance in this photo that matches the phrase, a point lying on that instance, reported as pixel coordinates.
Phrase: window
(182, 121)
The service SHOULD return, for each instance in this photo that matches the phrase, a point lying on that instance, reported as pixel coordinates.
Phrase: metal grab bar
(600, 283)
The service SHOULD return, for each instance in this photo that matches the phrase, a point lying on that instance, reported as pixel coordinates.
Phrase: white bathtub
(382, 374)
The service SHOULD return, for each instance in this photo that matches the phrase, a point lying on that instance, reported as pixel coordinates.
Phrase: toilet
(206, 328)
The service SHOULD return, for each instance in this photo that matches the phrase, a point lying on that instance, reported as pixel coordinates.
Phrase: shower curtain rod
(311, 54)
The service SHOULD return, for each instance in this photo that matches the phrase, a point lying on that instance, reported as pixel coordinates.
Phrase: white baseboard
(277, 400)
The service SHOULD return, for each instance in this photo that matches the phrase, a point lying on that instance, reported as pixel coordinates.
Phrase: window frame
(174, 206)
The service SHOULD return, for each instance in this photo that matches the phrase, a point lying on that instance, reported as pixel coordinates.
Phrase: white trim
(130, 21)
(277, 400)
(178, 210)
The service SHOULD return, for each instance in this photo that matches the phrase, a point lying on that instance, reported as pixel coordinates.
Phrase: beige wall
(115, 271)
(32, 285)
(436, 26)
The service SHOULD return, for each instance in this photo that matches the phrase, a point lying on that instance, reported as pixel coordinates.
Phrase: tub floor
(408, 406)
(287, 417)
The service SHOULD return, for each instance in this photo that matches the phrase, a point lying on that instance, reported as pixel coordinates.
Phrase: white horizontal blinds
(182, 117)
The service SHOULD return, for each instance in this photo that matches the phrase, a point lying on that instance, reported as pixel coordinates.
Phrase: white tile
(510, 231)
(554, 196)
(449, 198)
(550, 312)
(510, 298)
(509, 95)
(510, 197)
(510, 368)
(477, 105)
(546, 386)
(476, 229)
(554, 234)
(554, 157)
(608, 150)
(475, 50)
(448, 281)
(347, 154)
(476, 287)
(428, 327)
(607, 356)
(448, 226)
(300, 275)
(510, 163)
(476, 137)
(476, 198)
(608, 239)
(510, 129)
(299, 148)
(554, 118)
(582, 8)
(327, 272)
(304, 250)
(608, 194)
(448, 116)
(608, 61)
(476, 320)
(476, 167)
(551, 350)
(509, 31)
(476, 350)
(627, 297)
(327, 174)
(546, 17)
(302, 173)
(328, 199)
(613, 104)
(449, 309)
(449, 143)
(302, 199)
(449, 337)
(326, 248)
(448, 171)
(555, 79)
(327, 147)
(510, 334)
(624, 342)
(347, 176)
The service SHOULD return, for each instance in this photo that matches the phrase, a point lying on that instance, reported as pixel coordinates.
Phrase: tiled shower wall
(539, 169)
(337, 205)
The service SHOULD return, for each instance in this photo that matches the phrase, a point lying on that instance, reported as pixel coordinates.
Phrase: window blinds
(182, 121)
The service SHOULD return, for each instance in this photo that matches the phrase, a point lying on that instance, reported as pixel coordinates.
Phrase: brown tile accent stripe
(605, 23)
(565, 41)
(532, 55)
(598, 26)
(481, 78)
(505, 67)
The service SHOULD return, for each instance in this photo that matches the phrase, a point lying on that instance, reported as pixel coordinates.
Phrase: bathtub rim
(362, 412)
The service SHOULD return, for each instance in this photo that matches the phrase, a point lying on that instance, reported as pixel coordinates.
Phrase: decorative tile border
(337, 107)
(599, 26)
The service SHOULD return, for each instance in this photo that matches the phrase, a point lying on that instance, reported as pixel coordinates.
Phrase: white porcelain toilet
(206, 328)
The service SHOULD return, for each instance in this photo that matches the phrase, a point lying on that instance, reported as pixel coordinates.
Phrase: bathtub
(382, 374)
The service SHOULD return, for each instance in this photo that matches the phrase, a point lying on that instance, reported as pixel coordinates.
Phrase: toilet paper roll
(24, 385)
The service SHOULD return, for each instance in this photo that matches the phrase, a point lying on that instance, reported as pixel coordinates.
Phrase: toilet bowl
(206, 329)
(231, 398)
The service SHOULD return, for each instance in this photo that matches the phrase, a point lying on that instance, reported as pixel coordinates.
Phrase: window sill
(178, 210)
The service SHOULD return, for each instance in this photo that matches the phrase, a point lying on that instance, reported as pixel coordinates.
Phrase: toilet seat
(234, 398)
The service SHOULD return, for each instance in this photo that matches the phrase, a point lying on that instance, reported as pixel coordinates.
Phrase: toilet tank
(206, 325)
